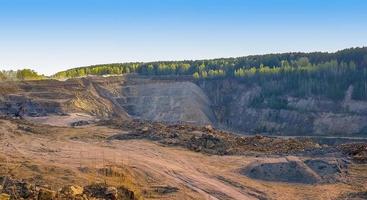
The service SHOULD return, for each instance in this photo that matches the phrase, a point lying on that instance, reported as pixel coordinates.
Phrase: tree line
(20, 75)
(223, 67)
(329, 79)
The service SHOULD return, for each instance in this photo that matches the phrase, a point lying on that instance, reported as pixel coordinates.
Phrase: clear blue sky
(51, 35)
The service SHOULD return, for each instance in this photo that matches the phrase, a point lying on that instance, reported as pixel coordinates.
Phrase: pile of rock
(357, 151)
(79, 123)
(207, 139)
(17, 189)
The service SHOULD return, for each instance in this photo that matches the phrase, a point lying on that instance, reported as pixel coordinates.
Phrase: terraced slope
(143, 98)
(166, 101)
(227, 104)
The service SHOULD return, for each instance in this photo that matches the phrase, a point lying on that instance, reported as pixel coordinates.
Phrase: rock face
(41, 98)
(226, 104)
(166, 101)
(233, 108)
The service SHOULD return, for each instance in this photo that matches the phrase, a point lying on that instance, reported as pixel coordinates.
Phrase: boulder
(4, 196)
(103, 191)
(46, 194)
(71, 192)
(100, 190)
(145, 129)
(80, 123)
(209, 128)
(124, 193)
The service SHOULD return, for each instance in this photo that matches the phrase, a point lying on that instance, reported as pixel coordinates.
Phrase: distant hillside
(299, 74)
(221, 66)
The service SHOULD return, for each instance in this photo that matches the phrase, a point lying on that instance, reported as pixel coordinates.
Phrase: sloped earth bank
(226, 103)
(147, 161)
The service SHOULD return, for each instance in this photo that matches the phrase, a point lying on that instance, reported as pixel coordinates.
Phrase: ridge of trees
(20, 75)
(329, 79)
(298, 74)
(222, 67)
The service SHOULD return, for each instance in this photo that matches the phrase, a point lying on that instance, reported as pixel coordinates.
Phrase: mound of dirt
(291, 172)
(329, 171)
(296, 171)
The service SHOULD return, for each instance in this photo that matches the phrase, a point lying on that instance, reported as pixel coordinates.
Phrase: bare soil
(153, 168)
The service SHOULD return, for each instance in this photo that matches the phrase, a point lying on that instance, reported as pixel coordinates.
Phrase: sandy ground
(61, 120)
(61, 155)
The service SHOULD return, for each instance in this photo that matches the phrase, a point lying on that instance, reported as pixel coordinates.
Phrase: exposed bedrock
(227, 104)
(233, 105)
(166, 101)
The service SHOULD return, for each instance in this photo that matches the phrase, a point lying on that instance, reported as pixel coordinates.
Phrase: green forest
(223, 67)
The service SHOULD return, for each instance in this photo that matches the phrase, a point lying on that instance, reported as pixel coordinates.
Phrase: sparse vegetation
(21, 75)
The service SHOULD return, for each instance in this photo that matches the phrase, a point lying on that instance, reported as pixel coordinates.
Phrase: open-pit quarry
(133, 137)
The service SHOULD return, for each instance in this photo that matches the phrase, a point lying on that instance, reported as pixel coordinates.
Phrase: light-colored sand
(61, 120)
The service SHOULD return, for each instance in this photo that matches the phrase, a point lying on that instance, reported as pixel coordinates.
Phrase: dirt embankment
(50, 97)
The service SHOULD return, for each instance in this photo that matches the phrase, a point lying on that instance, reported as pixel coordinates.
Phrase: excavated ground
(145, 160)
(87, 138)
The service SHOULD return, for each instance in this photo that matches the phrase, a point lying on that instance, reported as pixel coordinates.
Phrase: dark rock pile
(294, 171)
(207, 139)
(79, 123)
(357, 151)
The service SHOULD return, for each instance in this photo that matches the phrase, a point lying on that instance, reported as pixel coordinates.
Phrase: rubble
(79, 123)
(103, 191)
(71, 191)
(207, 139)
(357, 151)
(45, 194)
(18, 189)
